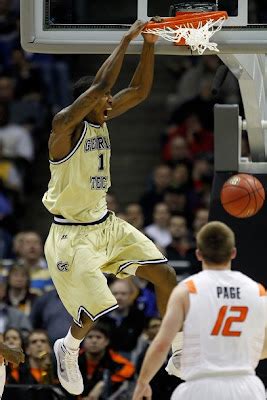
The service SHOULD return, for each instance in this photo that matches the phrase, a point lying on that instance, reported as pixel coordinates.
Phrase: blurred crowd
(171, 210)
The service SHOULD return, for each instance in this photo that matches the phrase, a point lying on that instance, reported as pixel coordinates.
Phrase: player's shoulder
(191, 282)
(249, 282)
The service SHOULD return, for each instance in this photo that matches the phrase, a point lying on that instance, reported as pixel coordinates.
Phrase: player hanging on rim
(224, 317)
(86, 239)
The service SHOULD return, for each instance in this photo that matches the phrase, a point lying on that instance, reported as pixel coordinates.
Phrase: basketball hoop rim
(186, 19)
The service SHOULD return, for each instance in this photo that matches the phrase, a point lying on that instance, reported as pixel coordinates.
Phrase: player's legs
(221, 388)
(75, 255)
(164, 280)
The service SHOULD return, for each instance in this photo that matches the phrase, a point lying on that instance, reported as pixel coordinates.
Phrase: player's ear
(199, 255)
(234, 253)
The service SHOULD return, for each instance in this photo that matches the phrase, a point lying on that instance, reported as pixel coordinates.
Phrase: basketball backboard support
(81, 26)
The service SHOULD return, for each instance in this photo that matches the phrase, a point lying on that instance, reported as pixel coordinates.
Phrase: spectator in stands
(9, 175)
(49, 313)
(10, 317)
(5, 244)
(202, 168)
(38, 368)
(8, 31)
(126, 322)
(198, 139)
(162, 384)
(7, 89)
(155, 194)
(158, 231)
(17, 244)
(6, 209)
(176, 201)
(21, 111)
(134, 215)
(27, 77)
(181, 253)
(31, 255)
(200, 219)
(201, 105)
(18, 292)
(13, 338)
(16, 141)
(178, 152)
(146, 298)
(150, 330)
(105, 372)
(39, 363)
(202, 179)
(56, 77)
(181, 177)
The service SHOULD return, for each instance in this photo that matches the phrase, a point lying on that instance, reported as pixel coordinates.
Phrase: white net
(198, 39)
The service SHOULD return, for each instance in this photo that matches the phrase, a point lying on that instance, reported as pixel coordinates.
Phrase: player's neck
(216, 267)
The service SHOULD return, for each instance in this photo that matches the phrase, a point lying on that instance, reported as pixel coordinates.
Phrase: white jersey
(224, 329)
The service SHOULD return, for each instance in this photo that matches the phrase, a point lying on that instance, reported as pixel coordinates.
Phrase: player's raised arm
(68, 119)
(159, 348)
(141, 83)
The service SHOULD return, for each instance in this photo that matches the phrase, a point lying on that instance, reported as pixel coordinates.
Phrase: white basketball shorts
(245, 387)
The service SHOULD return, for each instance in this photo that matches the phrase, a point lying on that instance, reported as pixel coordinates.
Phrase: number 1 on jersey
(101, 162)
(226, 325)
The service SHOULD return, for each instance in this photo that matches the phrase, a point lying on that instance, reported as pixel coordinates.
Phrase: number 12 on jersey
(226, 318)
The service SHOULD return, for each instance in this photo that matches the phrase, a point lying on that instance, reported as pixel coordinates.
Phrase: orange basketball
(242, 195)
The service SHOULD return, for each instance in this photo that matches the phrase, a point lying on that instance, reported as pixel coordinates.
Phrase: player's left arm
(159, 348)
(141, 83)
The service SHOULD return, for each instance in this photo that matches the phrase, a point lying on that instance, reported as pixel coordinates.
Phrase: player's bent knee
(157, 274)
(86, 321)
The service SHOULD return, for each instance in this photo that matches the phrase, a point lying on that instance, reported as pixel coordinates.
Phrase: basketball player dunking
(86, 240)
(223, 314)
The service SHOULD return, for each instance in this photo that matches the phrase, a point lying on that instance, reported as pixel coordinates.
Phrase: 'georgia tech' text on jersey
(79, 182)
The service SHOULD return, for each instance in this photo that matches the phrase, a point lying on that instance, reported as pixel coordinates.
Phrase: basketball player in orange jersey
(223, 315)
(86, 240)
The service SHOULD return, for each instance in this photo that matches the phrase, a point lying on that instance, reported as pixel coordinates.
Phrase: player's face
(95, 342)
(100, 112)
(12, 339)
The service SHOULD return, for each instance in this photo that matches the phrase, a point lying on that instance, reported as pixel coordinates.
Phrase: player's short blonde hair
(216, 241)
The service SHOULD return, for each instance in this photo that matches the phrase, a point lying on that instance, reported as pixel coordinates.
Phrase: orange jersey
(224, 329)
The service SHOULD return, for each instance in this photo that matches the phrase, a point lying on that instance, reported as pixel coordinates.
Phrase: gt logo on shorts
(62, 266)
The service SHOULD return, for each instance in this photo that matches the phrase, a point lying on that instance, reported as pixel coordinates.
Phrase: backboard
(90, 26)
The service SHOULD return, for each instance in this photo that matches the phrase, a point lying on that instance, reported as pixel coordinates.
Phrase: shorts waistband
(59, 220)
(222, 375)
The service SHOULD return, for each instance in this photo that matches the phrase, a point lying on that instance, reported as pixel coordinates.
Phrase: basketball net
(196, 35)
